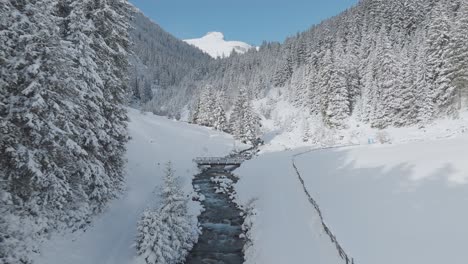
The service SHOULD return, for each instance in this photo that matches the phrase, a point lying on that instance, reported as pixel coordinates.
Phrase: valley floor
(387, 204)
(155, 140)
(391, 204)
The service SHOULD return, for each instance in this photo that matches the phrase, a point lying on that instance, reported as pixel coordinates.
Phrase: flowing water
(221, 222)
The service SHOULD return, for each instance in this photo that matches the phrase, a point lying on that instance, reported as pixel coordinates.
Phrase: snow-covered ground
(404, 203)
(155, 140)
(398, 203)
(286, 229)
(213, 44)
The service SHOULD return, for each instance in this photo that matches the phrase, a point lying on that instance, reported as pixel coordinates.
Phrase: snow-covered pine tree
(324, 74)
(388, 83)
(353, 78)
(458, 55)
(32, 182)
(285, 69)
(195, 111)
(312, 101)
(111, 43)
(251, 129)
(150, 242)
(298, 85)
(338, 105)
(236, 126)
(367, 68)
(165, 236)
(207, 106)
(337, 108)
(244, 123)
(405, 102)
(439, 41)
(219, 115)
(306, 133)
(61, 145)
(424, 103)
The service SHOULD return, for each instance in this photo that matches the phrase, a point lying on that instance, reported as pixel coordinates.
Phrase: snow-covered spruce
(166, 235)
(381, 63)
(63, 124)
(208, 109)
(244, 123)
(158, 60)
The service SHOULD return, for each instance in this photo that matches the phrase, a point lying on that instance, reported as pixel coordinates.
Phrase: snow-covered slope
(214, 44)
(286, 126)
(155, 140)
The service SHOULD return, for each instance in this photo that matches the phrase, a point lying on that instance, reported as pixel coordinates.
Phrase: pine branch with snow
(166, 235)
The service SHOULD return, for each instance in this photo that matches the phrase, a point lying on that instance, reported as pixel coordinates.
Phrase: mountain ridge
(379, 64)
(214, 44)
(158, 59)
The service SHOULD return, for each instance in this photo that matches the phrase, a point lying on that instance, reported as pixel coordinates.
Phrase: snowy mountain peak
(213, 43)
(214, 34)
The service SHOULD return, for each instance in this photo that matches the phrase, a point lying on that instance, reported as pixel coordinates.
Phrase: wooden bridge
(217, 161)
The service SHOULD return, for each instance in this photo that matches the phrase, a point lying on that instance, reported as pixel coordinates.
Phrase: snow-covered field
(389, 204)
(155, 140)
(402, 203)
(285, 229)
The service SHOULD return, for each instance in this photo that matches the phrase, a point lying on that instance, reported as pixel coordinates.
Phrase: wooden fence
(341, 252)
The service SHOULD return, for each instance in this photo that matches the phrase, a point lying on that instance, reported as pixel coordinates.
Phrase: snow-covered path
(155, 140)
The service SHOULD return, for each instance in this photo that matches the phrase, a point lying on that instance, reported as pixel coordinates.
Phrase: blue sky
(251, 21)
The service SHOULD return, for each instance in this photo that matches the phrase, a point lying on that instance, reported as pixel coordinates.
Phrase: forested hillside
(158, 59)
(68, 68)
(383, 63)
(62, 117)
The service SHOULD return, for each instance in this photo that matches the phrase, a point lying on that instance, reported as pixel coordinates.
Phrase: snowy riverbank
(155, 140)
(385, 203)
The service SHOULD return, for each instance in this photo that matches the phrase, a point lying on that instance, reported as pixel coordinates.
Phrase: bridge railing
(217, 160)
